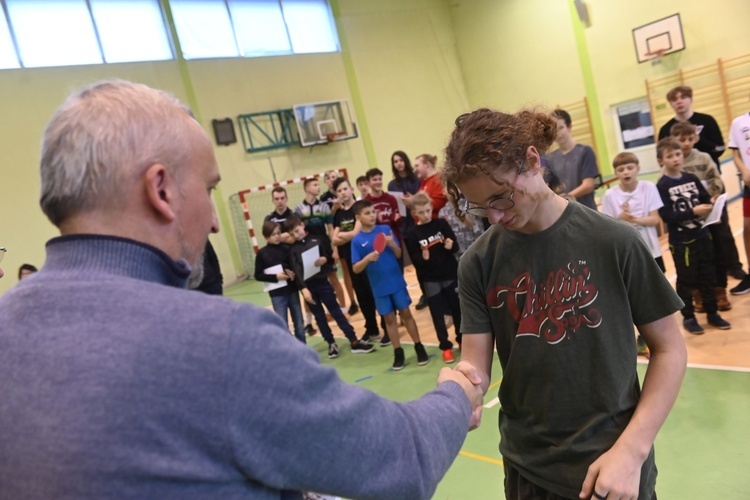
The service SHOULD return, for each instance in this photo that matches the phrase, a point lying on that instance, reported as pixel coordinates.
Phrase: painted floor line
(362, 379)
(492, 403)
(481, 457)
(719, 367)
(708, 367)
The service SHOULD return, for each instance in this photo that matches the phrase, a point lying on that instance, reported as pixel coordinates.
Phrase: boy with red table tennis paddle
(375, 251)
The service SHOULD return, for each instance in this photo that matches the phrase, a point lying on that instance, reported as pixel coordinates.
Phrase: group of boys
(683, 197)
(345, 229)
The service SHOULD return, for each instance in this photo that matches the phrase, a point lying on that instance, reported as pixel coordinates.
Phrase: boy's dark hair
(373, 172)
(278, 189)
(26, 267)
(308, 181)
(360, 205)
(665, 145)
(362, 178)
(291, 222)
(682, 128)
(268, 228)
(339, 182)
(564, 116)
(624, 158)
(680, 90)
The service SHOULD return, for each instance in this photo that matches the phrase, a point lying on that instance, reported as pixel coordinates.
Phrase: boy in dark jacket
(432, 247)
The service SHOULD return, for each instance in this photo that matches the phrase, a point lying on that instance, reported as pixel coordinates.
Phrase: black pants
(366, 301)
(441, 303)
(725, 250)
(518, 487)
(323, 294)
(694, 263)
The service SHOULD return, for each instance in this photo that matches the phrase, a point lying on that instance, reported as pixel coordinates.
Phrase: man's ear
(160, 189)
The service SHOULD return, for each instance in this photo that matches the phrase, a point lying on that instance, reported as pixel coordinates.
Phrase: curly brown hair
(486, 142)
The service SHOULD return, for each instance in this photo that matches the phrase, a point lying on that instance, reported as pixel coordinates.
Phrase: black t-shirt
(344, 220)
(274, 216)
(710, 139)
(442, 265)
(328, 198)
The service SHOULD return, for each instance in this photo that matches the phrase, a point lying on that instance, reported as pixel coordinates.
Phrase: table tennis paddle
(379, 243)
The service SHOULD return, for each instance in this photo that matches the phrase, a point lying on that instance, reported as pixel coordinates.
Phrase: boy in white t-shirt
(739, 144)
(638, 203)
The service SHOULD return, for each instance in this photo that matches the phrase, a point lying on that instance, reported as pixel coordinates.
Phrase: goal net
(250, 207)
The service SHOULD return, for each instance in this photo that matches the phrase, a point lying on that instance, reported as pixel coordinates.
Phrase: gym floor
(702, 451)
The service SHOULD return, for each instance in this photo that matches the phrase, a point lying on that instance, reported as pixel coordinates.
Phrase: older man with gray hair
(127, 385)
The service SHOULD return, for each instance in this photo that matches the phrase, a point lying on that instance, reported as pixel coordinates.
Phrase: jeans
(323, 295)
(291, 302)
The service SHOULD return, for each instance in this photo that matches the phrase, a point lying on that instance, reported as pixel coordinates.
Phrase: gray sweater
(116, 382)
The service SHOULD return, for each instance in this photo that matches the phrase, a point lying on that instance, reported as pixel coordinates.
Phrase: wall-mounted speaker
(583, 12)
(224, 131)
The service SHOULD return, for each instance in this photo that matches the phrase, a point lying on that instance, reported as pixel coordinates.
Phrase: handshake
(471, 381)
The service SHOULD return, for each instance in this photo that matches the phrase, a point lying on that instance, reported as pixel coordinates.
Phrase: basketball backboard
(658, 38)
(321, 122)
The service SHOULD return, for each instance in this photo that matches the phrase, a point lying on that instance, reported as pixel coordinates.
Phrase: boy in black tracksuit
(317, 290)
(432, 245)
(285, 298)
(686, 204)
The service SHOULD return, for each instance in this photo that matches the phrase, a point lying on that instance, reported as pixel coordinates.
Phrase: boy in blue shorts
(386, 280)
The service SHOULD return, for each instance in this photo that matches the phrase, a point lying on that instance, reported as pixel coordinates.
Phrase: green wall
(408, 67)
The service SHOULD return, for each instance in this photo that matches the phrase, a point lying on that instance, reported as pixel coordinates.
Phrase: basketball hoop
(656, 56)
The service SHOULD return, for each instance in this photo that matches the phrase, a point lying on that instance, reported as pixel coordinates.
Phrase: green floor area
(249, 291)
(703, 450)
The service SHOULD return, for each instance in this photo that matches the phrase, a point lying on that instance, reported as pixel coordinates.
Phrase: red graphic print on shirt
(561, 304)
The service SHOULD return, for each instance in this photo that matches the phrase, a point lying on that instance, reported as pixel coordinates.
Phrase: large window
(252, 28)
(67, 32)
(37, 33)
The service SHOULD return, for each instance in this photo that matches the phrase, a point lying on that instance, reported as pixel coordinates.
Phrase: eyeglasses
(500, 203)
(2, 253)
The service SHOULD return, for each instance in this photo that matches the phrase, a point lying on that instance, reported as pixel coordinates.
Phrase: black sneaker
(692, 326)
(717, 321)
(310, 330)
(742, 288)
(422, 357)
(361, 347)
(398, 359)
(370, 338)
(738, 274)
(353, 309)
(421, 304)
(333, 351)
(385, 341)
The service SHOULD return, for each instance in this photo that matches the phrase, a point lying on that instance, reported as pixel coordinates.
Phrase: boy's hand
(289, 273)
(389, 241)
(703, 209)
(373, 256)
(396, 217)
(746, 177)
(335, 254)
(282, 277)
(320, 261)
(473, 392)
(626, 216)
(425, 254)
(307, 296)
(448, 243)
